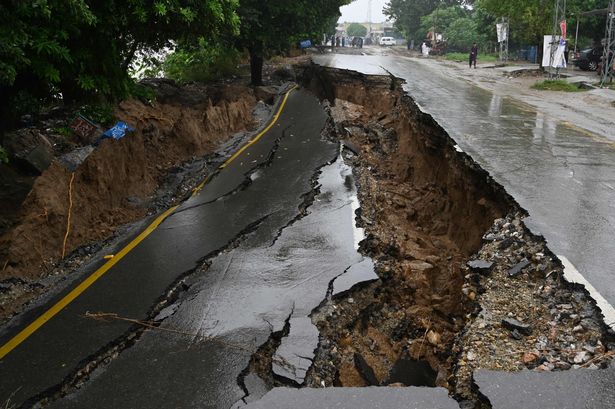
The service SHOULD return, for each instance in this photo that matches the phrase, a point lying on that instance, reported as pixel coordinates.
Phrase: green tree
(356, 30)
(461, 33)
(203, 62)
(82, 48)
(442, 18)
(407, 14)
(458, 25)
(270, 27)
(530, 20)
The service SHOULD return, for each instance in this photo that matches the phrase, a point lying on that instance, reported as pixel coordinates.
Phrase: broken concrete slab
(73, 159)
(480, 266)
(579, 388)
(40, 158)
(513, 324)
(518, 268)
(294, 356)
(255, 386)
(356, 398)
(362, 272)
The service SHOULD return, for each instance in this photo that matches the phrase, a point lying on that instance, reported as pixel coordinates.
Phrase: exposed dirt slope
(113, 185)
(425, 208)
(428, 209)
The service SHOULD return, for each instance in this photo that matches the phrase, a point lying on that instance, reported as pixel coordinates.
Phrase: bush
(556, 85)
(205, 63)
(4, 157)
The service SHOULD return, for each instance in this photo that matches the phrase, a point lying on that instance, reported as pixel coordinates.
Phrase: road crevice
(108, 353)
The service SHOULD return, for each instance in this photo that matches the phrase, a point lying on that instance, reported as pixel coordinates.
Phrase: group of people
(345, 41)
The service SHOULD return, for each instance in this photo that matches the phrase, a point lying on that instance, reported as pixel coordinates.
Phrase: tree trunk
(130, 56)
(256, 64)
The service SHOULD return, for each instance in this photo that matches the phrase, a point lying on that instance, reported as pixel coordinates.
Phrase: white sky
(357, 11)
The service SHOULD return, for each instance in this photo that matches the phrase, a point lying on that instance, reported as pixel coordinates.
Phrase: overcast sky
(357, 11)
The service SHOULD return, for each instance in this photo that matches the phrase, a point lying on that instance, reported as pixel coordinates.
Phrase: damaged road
(391, 259)
(254, 198)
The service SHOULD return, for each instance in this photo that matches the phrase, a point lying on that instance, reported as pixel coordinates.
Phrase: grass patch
(466, 57)
(556, 85)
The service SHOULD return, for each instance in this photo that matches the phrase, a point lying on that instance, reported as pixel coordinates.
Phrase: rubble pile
(526, 316)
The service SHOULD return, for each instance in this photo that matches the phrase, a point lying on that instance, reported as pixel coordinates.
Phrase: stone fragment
(480, 266)
(529, 357)
(561, 365)
(506, 243)
(418, 265)
(513, 324)
(518, 268)
(590, 324)
(490, 237)
(516, 335)
(434, 338)
(581, 357)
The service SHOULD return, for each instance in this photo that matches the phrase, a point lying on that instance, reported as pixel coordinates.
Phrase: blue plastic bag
(118, 131)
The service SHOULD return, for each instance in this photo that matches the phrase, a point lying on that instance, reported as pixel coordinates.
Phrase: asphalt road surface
(269, 263)
(266, 238)
(562, 175)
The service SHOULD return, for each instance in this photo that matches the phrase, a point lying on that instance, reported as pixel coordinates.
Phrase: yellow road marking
(250, 142)
(84, 285)
(114, 259)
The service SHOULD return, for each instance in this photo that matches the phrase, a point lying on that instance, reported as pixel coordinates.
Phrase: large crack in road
(395, 262)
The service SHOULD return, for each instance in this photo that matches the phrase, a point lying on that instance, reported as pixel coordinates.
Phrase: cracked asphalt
(563, 175)
(266, 263)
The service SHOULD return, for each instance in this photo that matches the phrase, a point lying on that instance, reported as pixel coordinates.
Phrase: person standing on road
(473, 55)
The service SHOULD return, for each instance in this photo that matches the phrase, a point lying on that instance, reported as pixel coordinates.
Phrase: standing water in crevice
(321, 247)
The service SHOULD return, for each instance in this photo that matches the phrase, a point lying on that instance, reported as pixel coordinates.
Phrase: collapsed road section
(464, 284)
(393, 261)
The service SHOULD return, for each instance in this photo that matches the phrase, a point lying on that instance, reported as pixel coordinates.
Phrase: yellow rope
(70, 209)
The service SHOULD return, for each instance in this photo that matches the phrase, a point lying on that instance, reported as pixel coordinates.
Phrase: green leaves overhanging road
(82, 49)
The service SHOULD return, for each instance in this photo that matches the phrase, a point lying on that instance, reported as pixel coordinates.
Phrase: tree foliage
(83, 48)
(458, 25)
(531, 19)
(269, 27)
(407, 14)
(204, 62)
(356, 30)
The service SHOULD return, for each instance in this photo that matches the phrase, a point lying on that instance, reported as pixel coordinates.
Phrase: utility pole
(559, 15)
(503, 39)
(369, 17)
(609, 43)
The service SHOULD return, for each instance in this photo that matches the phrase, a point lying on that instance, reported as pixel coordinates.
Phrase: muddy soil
(463, 284)
(119, 181)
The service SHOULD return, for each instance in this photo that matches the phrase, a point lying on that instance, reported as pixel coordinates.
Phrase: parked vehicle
(387, 41)
(588, 59)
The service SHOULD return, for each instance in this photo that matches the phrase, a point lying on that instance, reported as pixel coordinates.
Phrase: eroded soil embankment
(426, 208)
(114, 185)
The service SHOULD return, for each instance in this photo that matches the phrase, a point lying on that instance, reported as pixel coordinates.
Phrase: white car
(387, 41)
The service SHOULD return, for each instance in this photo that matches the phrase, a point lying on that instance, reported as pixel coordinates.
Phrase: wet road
(564, 177)
(254, 252)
